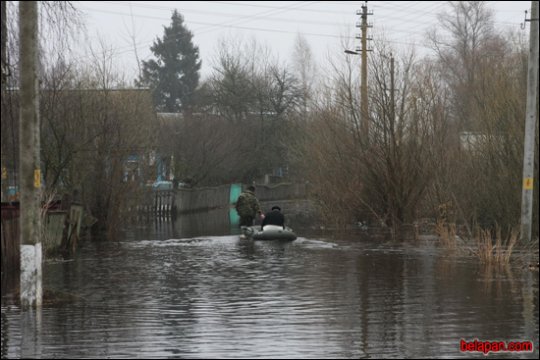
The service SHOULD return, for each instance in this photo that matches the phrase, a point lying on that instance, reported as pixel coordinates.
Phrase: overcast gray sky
(273, 23)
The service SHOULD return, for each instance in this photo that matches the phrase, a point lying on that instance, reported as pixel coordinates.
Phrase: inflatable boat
(269, 232)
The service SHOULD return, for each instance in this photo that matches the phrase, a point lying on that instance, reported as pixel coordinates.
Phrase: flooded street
(164, 292)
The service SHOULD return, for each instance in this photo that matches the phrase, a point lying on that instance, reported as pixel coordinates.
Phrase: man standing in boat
(248, 206)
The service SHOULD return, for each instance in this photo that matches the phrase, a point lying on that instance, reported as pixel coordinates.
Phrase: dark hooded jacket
(274, 217)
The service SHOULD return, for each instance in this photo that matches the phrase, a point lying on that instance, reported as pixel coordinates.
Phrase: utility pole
(4, 179)
(530, 129)
(362, 51)
(392, 89)
(363, 85)
(29, 147)
(4, 44)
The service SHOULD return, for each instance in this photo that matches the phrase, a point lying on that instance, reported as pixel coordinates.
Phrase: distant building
(477, 141)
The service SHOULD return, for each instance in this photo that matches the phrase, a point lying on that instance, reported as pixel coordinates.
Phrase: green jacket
(247, 204)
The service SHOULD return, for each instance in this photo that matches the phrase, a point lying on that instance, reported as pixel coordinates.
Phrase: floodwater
(192, 289)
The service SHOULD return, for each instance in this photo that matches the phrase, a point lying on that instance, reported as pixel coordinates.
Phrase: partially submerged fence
(200, 199)
(158, 203)
(61, 231)
(287, 191)
(165, 203)
(10, 238)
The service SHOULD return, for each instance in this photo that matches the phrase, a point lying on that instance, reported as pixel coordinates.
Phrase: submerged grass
(492, 248)
(447, 234)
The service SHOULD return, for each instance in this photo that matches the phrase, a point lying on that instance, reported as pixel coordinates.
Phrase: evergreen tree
(174, 74)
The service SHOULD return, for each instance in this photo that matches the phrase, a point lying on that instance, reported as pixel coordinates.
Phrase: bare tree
(304, 67)
(484, 73)
(59, 23)
(464, 41)
(255, 97)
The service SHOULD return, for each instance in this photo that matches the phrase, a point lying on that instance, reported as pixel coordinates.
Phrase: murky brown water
(153, 295)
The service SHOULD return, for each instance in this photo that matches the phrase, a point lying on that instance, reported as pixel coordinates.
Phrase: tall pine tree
(174, 74)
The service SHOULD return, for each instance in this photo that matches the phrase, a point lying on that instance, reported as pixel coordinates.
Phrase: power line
(273, 7)
(230, 24)
(197, 31)
(223, 25)
(402, 34)
(148, 6)
(251, 17)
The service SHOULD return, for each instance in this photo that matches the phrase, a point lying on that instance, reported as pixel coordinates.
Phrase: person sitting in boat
(274, 217)
(247, 206)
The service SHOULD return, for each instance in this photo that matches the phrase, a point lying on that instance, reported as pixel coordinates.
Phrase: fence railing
(61, 231)
(200, 199)
(10, 238)
(155, 203)
(286, 191)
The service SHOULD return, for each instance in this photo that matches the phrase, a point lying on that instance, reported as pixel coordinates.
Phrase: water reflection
(211, 223)
(196, 290)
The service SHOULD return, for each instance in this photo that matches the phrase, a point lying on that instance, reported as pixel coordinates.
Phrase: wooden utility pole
(530, 129)
(29, 147)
